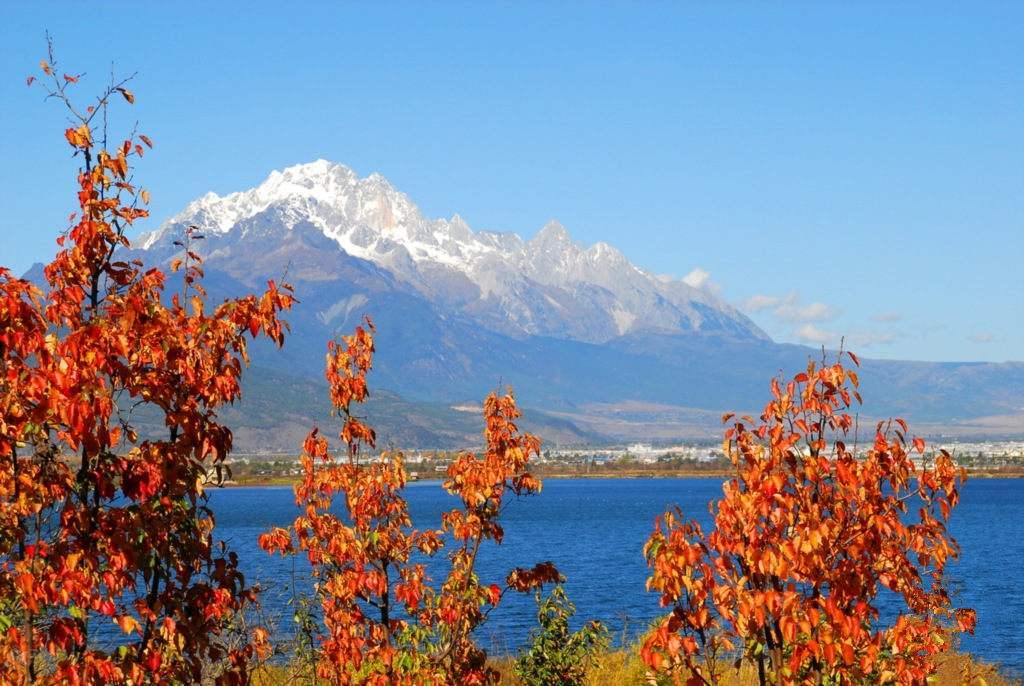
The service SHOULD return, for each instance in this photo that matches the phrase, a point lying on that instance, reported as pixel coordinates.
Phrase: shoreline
(276, 482)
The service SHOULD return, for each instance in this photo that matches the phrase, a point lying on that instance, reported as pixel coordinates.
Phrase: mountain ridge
(548, 285)
(579, 332)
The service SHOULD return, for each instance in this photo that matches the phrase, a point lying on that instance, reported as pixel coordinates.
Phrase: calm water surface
(594, 529)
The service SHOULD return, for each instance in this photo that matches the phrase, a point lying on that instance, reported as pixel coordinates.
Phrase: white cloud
(701, 280)
(697, 278)
(866, 339)
(808, 322)
(789, 308)
(809, 333)
(812, 312)
(982, 338)
(756, 303)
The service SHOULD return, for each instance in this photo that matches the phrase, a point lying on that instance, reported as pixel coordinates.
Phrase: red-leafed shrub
(808, 535)
(101, 530)
(383, 622)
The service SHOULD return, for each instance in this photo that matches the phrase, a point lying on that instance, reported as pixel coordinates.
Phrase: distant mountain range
(599, 349)
(320, 215)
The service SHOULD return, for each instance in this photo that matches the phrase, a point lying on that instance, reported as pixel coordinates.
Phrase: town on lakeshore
(980, 458)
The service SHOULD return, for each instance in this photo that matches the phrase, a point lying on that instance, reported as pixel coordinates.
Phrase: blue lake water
(594, 529)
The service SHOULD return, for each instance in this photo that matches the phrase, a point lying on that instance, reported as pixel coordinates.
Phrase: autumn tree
(811, 537)
(383, 621)
(109, 570)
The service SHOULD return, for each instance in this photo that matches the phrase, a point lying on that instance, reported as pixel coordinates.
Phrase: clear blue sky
(835, 168)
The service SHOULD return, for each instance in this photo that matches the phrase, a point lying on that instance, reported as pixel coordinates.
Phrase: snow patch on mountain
(549, 285)
(343, 308)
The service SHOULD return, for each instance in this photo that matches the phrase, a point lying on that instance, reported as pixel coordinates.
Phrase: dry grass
(624, 669)
(621, 668)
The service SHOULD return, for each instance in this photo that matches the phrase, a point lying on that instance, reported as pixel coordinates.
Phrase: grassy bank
(623, 668)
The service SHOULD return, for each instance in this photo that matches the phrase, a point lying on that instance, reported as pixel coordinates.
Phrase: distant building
(643, 452)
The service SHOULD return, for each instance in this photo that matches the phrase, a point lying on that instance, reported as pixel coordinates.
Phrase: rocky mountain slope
(580, 332)
(547, 286)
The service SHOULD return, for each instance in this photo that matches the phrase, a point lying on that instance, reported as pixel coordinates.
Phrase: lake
(594, 529)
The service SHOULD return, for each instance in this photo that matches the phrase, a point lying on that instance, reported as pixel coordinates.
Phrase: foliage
(557, 656)
(383, 621)
(808, 535)
(101, 529)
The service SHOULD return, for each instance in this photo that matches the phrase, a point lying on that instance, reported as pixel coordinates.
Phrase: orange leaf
(80, 137)
(127, 623)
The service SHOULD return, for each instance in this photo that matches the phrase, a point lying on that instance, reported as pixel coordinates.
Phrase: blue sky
(830, 168)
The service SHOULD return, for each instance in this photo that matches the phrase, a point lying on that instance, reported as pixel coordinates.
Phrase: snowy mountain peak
(549, 285)
(552, 233)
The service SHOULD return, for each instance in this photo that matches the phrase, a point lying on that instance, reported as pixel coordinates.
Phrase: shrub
(101, 528)
(807, 536)
(383, 623)
(558, 656)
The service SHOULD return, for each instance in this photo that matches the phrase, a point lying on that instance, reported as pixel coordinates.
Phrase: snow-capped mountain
(577, 331)
(546, 286)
